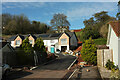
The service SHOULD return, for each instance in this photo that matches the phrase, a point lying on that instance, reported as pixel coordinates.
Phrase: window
(17, 42)
(30, 41)
(63, 41)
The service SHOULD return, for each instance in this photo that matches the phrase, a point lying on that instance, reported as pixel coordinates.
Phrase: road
(61, 63)
(56, 69)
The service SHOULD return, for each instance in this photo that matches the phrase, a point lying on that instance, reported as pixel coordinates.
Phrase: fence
(19, 58)
(9, 58)
(103, 55)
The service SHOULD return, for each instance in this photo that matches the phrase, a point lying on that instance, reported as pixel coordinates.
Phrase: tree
(88, 52)
(89, 23)
(40, 49)
(101, 17)
(118, 14)
(59, 20)
(39, 45)
(26, 46)
(20, 24)
(94, 27)
(11, 27)
(104, 31)
(25, 54)
(88, 32)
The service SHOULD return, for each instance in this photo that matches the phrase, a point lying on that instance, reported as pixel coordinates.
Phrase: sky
(76, 12)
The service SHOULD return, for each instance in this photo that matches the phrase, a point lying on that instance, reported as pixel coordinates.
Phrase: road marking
(72, 74)
(72, 64)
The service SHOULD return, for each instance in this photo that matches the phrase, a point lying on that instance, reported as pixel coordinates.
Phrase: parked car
(5, 69)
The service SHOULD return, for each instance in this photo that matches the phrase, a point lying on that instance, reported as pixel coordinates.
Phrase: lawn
(100, 41)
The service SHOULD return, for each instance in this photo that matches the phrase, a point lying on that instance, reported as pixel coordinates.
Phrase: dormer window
(17, 42)
(30, 41)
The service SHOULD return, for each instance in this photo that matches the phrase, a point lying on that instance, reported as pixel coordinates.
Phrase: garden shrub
(110, 65)
(88, 52)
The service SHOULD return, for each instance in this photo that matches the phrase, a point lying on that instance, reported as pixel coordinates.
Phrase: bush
(88, 52)
(25, 53)
(110, 65)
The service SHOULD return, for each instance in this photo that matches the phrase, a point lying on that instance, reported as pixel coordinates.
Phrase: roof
(69, 34)
(43, 36)
(32, 36)
(78, 30)
(2, 44)
(14, 37)
(116, 27)
(21, 36)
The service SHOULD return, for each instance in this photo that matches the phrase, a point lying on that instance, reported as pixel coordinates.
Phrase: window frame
(16, 42)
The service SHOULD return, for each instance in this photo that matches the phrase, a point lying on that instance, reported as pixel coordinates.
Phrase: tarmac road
(61, 63)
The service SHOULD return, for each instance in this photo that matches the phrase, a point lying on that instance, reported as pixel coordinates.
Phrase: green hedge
(100, 41)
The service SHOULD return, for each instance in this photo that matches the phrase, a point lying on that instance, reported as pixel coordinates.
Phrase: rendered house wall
(64, 36)
(113, 44)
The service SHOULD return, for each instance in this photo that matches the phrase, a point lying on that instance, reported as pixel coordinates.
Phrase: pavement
(93, 74)
(105, 73)
(56, 69)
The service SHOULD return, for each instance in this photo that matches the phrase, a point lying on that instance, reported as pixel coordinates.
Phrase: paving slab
(93, 74)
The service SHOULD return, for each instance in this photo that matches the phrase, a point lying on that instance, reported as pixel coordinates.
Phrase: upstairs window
(63, 41)
(17, 42)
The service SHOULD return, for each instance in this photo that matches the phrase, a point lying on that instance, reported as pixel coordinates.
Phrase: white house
(61, 41)
(113, 41)
(56, 41)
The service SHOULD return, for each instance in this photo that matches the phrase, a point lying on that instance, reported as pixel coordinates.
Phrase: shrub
(88, 52)
(39, 45)
(110, 65)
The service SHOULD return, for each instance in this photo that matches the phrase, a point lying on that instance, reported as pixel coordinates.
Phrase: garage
(63, 48)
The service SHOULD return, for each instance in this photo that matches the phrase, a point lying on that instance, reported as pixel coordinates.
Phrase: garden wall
(103, 55)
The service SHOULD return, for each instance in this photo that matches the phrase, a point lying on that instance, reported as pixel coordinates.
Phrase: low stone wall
(103, 55)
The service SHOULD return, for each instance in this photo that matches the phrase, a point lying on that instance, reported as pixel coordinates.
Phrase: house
(16, 40)
(53, 42)
(59, 41)
(113, 41)
(50, 41)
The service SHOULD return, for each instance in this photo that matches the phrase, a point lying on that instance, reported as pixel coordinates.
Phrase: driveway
(56, 69)
(61, 63)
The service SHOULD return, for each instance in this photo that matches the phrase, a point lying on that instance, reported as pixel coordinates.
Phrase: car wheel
(7, 71)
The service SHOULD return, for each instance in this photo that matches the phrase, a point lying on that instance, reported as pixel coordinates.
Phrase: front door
(52, 49)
